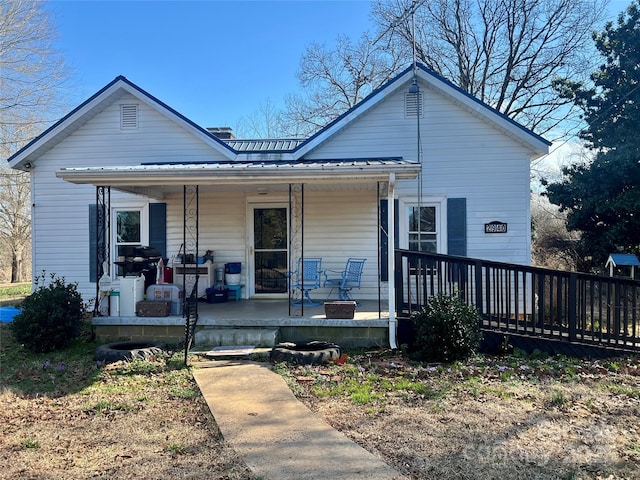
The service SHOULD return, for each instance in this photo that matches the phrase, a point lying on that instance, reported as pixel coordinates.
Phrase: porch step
(220, 336)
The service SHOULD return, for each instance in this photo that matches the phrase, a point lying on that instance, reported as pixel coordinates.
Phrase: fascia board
(265, 156)
(59, 129)
(202, 176)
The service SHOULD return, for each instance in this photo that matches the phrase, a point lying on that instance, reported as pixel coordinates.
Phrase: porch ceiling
(244, 173)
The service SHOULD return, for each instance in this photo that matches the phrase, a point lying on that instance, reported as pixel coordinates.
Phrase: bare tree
(33, 77)
(552, 245)
(265, 122)
(32, 74)
(507, 53)
(335, 80)
(15, 222)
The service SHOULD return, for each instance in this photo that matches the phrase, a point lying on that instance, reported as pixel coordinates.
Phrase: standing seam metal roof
(275, 145)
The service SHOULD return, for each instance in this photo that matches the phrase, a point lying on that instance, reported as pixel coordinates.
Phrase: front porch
(255, 322)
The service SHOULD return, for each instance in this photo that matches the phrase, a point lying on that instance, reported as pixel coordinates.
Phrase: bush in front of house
(51, 317)
(446, 330)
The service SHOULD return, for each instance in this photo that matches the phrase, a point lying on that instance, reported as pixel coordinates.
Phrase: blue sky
(213, 61)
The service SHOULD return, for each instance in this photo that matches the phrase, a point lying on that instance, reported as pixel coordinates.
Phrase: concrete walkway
(279, 437)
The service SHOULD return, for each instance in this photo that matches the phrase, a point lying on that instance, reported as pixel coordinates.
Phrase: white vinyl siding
(463, 157)
(60, 212)
(333, 237)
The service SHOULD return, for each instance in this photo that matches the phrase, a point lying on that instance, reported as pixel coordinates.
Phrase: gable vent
(128, 117)
(413, 104)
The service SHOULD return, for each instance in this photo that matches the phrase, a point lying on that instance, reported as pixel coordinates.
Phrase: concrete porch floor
(259, 313)
(278, 312)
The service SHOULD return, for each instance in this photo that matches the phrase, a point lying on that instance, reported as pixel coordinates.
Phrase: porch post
(102, 252)
(296, 246)
(190, 238)
(391, 235)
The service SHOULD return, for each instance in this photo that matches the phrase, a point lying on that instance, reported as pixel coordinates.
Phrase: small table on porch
(236, 289)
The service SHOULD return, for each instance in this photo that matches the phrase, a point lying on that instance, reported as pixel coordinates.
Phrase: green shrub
(51, 316)
(446, 330)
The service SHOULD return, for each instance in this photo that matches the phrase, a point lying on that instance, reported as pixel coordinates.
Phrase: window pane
(424, 243)
(128, 227)
(428, 219)
(271, 270)
(270, 228)
(413, 222)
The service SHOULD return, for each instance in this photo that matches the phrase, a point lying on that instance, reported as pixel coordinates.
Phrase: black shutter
(384, 239)
(457, 226)
(158, 227)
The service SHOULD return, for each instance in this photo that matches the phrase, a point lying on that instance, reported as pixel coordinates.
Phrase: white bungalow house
(353, 190)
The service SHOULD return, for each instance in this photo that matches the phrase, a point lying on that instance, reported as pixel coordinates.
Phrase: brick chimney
(223, 133)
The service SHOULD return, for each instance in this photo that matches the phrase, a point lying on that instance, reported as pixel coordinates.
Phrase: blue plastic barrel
(7, 314)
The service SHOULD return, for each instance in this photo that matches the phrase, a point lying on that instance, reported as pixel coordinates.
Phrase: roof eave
(66, 124)
(539, 146)
(203, 176)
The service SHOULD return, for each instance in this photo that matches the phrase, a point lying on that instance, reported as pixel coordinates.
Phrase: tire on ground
(113, 352)
(305, 353)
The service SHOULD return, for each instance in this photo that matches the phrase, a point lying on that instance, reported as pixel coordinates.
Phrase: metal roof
(624, 259)
(237, 164)
(264, 145)
(356, 170)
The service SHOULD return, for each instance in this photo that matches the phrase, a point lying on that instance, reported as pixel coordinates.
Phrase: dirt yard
(63, 416)
(515, 418)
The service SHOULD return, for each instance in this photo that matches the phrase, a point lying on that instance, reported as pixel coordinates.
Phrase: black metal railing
(191, 318)
(559, 305)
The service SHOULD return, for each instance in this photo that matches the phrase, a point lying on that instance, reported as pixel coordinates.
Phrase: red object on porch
(168, 275)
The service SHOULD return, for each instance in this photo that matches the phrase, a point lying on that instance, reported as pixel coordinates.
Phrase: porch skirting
(346, 333)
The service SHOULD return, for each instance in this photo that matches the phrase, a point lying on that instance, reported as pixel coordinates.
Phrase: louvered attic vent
(413, 104)
(128, 117)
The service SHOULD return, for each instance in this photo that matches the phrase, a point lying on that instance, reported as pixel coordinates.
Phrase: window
(423, 228)
(128, 227)
(128, 231)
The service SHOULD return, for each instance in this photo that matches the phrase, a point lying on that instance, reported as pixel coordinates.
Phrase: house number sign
(495, 227)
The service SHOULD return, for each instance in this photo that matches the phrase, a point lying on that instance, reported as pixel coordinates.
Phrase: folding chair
(347, 279)
(306, 278)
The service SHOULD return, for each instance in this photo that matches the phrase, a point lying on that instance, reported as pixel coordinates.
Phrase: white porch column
(391, 235)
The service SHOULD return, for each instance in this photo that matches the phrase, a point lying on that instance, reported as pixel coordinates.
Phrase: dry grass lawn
(490, 418)
(62, 416)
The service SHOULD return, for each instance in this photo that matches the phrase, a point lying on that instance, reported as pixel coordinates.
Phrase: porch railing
(566, 306)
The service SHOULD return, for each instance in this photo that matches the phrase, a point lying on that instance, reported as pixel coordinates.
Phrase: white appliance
(131, 292)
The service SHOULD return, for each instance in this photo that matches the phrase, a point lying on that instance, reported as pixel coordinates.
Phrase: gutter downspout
(391, 235)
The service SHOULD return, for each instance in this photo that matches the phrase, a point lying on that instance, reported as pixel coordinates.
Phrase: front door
(270, 255)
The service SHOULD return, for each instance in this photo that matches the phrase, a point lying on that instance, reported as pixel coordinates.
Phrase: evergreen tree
(602, 197)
